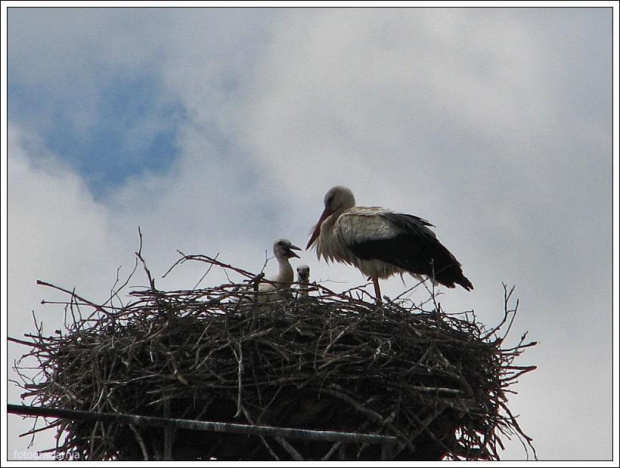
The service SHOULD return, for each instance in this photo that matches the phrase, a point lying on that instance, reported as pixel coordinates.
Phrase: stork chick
(274, 287)
(303, 278)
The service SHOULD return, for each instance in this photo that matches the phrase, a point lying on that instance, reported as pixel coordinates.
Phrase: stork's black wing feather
(415, 248)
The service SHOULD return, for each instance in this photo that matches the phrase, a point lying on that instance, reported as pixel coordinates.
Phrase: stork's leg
(375, 281)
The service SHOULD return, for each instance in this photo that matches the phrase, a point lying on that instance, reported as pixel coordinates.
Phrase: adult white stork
(380, 242)
(273, 287)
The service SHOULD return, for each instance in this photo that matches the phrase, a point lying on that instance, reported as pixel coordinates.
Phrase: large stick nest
(436, 381)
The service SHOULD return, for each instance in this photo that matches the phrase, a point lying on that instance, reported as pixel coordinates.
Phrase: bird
(303, 278)
(381, 242)
(303, 274)
(273, 287)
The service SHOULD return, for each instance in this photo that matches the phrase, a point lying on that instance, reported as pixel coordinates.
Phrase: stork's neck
(286, 271)
(332, 218)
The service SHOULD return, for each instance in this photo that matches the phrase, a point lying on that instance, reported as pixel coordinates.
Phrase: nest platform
(436, 383)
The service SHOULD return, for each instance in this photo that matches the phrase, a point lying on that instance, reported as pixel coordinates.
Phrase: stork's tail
(450, 277)
(465, 283)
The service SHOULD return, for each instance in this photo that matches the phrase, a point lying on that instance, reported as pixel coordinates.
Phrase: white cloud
(381, 90)
(56, 233)
(55, 226)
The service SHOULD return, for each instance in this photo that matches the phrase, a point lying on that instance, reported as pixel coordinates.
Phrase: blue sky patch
(130, 128)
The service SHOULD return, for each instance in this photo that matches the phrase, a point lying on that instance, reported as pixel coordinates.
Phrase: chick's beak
(290, 253)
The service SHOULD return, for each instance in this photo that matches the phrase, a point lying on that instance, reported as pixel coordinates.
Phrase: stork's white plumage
(274, 287)
(381, 243)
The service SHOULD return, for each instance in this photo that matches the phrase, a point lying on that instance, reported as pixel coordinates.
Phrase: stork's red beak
(317, 228)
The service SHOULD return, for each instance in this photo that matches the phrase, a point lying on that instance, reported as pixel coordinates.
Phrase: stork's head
(336, 200)
(303, 274)
(283, 248)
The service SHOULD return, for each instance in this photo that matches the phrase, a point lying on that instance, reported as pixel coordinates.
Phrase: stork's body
(381, 243)
(274, 286)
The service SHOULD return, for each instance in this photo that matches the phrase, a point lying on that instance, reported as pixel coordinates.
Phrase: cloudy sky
(218, 130)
